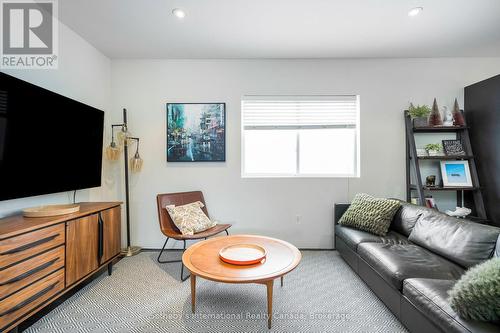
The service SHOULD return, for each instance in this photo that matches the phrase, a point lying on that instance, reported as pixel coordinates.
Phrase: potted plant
(434, 149)
(419, 114)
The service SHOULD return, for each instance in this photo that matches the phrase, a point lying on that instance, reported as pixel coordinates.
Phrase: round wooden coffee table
(202, 259)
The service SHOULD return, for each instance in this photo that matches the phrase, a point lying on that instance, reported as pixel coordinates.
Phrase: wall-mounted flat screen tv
(48, 143)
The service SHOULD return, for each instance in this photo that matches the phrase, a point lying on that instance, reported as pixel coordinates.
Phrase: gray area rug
(321, 295)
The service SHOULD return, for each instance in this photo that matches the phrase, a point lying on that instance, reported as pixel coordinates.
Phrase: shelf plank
(446, 157)
(449, 188)
(439, 129)
(438, 188)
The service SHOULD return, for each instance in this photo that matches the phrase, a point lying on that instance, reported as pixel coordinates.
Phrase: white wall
(270, 206)
(84, 74)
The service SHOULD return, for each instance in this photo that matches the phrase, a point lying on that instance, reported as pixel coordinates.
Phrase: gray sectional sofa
(412, 268)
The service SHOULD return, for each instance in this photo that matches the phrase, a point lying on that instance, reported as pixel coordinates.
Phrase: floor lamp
(113, 152)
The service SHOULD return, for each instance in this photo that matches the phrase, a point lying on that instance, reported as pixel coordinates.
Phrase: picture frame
(453, 147)
(456, 174)
(196, 132)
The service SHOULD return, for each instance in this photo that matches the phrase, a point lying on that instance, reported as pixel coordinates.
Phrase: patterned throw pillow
(370, 214)
(190, 219)
(476, 295)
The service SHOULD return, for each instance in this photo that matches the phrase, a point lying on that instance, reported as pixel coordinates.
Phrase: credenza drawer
(26, 245)
(22, 274)
(20, 303)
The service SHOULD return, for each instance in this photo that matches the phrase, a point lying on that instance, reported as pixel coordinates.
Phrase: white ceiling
(286, 28)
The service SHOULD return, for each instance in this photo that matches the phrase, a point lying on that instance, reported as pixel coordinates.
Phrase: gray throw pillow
(370, 214)
(476, 295)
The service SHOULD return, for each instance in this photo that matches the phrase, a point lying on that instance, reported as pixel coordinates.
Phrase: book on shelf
(431, 203)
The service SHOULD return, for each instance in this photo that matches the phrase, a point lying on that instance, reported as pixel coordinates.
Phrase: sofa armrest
(339, 210)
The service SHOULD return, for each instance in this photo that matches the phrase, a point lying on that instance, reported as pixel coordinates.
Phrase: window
(300, 136)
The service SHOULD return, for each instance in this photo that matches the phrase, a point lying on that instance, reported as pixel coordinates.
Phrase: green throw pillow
(370, 214)
(476, 295)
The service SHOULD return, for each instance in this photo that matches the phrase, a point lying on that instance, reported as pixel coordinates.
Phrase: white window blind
(300, 112)
(305, 136)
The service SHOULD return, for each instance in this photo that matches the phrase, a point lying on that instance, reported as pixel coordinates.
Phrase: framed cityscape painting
(196, 132)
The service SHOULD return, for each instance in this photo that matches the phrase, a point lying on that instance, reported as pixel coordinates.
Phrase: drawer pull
(30, 245)
(31, 272)
(100, 224)
(29, 300)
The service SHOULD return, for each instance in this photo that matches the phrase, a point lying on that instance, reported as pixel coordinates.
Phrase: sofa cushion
(477, 294)
(405, 218)
(463, 242)
(352, 237)
(370, 214)
(430, 297)
(397, 262)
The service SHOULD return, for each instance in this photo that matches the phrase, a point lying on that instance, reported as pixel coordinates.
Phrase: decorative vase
(458, 117)
(420, 122)
(435, 117)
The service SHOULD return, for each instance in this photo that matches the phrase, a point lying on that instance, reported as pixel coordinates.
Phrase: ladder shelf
(413, 164)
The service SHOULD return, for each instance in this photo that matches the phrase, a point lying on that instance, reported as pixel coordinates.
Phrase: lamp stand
(129, 250)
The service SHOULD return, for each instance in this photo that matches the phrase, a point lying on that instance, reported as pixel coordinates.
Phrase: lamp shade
(112, 152)
(122, 136)
(136, 163)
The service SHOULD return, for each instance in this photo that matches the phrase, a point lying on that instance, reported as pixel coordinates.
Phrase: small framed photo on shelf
(456, 174)
(453, 147)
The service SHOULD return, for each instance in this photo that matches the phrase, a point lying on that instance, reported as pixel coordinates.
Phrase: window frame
(355, 174)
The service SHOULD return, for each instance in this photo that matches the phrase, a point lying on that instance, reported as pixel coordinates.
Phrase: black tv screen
(48, 143)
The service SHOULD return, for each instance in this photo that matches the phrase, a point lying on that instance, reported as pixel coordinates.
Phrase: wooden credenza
(42, 258)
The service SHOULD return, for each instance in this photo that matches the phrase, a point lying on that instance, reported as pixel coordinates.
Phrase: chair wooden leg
(227, 232)
(183, 278)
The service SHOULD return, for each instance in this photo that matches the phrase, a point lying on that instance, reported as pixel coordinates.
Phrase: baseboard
(158, 250)
(300, 248)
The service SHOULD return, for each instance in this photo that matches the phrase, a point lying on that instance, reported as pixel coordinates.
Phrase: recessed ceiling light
(415, 11)
(179, 13)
